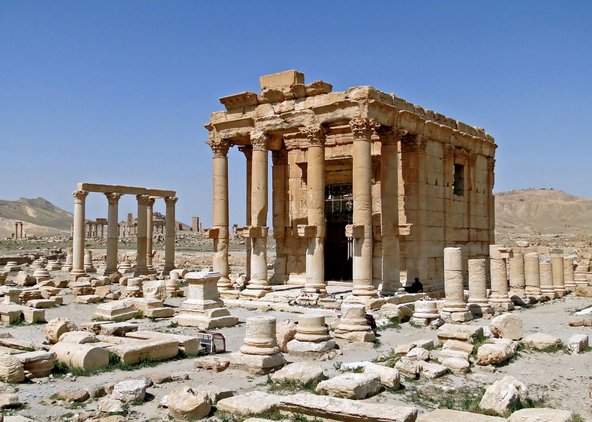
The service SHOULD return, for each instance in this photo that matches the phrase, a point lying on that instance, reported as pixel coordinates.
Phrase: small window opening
(458, 187)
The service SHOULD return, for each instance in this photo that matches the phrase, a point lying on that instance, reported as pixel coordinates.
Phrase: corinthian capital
(79, 195)
(113, 197)
(363, 128)
(219, 147)
(390, 135)
(142, 199)
(259, 140)
(315, 135)
(170, 200)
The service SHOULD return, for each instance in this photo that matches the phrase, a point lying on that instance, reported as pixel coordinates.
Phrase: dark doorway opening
(338, 250)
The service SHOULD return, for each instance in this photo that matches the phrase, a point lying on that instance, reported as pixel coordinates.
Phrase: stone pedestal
(499, 299)
(12, 266)
(133, 288)
(88, 263)
(260, 353)
(517, 277)
(478, 303)
(41, 274)
(547, 288)
(203, 307)
(455, 309)
(568, 274)
(353, 325)
(557, 269)
(532, 275)
(312, 337)
(425, 312)
(173, 289)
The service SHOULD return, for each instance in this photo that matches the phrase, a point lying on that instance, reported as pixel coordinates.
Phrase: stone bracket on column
(254, 232)
(355, 231)
(499, 252)
(216, 233)
(305, 231)
(403, 229)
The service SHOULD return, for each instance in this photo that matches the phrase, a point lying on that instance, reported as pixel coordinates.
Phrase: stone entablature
(441, 176)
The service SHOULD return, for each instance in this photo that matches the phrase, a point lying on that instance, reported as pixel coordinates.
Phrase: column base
(109, 271)
(76, 274)
(68, 268)
(255, 293)
(570, 287)
(501, 305)
(167, 270)
(370, 302)
(229, 294)
(480, 309)
(355, 336)
(257, 364)
(205, 322)
(309, 347)
(140, 271)
(560, 291)
(549, 292)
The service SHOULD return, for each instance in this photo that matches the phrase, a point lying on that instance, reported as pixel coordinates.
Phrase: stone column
(478, 302)
(141, 240)
(22, 227)
(248, 151)
(220, 232)
(558, 280)
(568, 274)
(547, 288)
(455, 309)
(279, 195)
(258, 284)
(517, 279)
(149, 233)
(78, 239)
(16, 231)
(112, 232)
(389, 208)
(532, 275)
(362, 131)
(315, 202)
(499, 298)
(169, 240)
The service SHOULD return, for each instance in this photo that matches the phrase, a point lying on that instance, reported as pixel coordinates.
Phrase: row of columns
(18, 230)
(144, 233)
(361, 230)
(529, 276)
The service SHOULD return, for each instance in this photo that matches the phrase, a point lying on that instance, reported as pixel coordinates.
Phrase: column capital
(150, 201)
(259, 140)
(219, 147)
(170, 200)
(363, 128)
(315, 135)
(142, 199)
(113, 197)
(390, 135)
(247, 150)
(79, 195)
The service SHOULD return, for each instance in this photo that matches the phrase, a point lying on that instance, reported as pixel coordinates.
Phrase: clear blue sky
(118, 91)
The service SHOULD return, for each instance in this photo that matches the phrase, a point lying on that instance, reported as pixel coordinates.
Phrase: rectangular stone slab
(447, 415)
(137, 351)
(188, 344)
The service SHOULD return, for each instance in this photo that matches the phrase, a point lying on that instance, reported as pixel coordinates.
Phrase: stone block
(87, 357)
(300, 372)
(459, 332)
(448, 415)
(433, 370)
(503, 394)
(577, 343)
(541, 415)
(38, 364)
(541, 341)
(189, 345)
(507, 326)
(135, 351)
(494, 353)
(351, 385)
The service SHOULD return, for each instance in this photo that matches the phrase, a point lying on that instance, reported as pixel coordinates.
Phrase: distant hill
(542, 211)
(40, 217)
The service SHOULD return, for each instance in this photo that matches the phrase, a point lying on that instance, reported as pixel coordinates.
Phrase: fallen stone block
(189, 345)
(87, 299)
(186, 404)
(541, 415)
(119, 310)
(494, 353)
(32, 315)
(540, 341)
(459, 332)
(37, 364)
(433, 370)
(448, 415)
(409, 368)
(583, 290)
(351, 386)
(503, 394)
(299, 372)
(251, 403)
(9, 401)
(577, 343)
(56, 327)
(130, 391)
(456, 365)
(212, 363)
(389, 377)
(507, 326)
(132, 351)
(12, 370)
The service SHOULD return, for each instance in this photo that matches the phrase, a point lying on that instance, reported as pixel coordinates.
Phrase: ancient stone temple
(366, 187)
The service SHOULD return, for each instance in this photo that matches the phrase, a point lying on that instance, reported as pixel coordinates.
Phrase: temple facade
(365, 186)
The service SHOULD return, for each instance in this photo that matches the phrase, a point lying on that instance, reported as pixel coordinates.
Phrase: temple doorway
(338, 249)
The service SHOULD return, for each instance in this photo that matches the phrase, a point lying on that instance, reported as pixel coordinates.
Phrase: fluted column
(389, 208)
(170, 227)
(78, 239)
(258, 284)
(362, 130)
(112, 232)
(248, 151)
(558, 275)
(141, 241)
(220, 211)
(149, 233)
